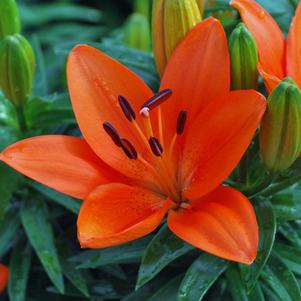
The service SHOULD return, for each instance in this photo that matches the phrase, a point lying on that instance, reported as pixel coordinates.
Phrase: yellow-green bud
(137, 32)
(244, 59)
(172, 19)
(280, 132)
(201, 5)
(9, 18)
(142, 7)
(17, 66)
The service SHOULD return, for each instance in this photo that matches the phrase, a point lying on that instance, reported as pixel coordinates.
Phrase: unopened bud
(17, 66)
(244, 59)
(172, 20)
(137, 32)
(201, 5)
(280, 133)
(9, 18)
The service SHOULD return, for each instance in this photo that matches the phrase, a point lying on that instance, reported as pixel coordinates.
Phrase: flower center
(164, 169)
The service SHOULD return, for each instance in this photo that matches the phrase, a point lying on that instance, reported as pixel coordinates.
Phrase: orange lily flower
(132, 168)
(278, 58)
(3, 277)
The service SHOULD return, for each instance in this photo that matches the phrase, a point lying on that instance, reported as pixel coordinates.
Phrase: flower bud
(9, 18)
(201, 5)
(137, 32)
(142, 7)
(4, 272)
(244, 59)
(17, 66)
(172, 19)
(280, 133)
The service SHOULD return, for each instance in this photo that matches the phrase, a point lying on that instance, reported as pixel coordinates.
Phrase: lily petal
(64, 163)
(217, 140)
(222, 223)
(271, 81)
(267, 34)
(293, 56)
(116, 213)
(95, 81)
(3, 277)
(197, 72)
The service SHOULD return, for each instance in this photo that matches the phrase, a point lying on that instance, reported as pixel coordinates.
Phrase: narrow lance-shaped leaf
(281, 280)
(74, 275)
(200, 276)
(8, 231)
(19, 267)
(34, 217)
(267, 229)
(163, 249)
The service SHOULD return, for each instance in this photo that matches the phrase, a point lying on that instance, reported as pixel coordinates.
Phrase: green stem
(21, 119)
(265, 183)
(280, 186)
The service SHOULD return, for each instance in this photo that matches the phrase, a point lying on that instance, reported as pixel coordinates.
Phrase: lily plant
(145, 155)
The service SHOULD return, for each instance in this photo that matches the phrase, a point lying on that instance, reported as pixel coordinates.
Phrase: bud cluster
(17, 60)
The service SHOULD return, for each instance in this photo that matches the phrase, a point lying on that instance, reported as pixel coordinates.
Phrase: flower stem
(21, 119)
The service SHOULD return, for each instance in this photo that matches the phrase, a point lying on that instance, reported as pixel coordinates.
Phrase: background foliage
(38, 225)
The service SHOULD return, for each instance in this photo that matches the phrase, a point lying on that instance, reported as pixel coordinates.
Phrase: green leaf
(8, 231)
(287, 206)
(74, 275)
(126, 253)
(291, 256)
(34, 217)
(69, 203)
(200, 276)
(234, 282)
(292, 232)
(281, 280)
(169, 291)
(18, 272)
(163, 249)
(9, 181)
(267, 229)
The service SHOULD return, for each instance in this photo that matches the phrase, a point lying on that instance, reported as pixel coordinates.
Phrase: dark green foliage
(38, 238)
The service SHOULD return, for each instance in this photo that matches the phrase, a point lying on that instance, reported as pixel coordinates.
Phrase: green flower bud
(172, 19)
(142, 7)
(17, 66)
(137, 32)
(9, 18)
(280, 133)
(244, 59)
(201, 5)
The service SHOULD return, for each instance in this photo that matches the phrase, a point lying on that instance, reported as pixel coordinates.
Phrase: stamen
(157, 99)
(181, 121)
(156, 146)
(126, 108)
(112, 132)
(128, 149)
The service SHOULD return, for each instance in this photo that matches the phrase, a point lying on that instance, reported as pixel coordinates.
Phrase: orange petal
(116, 213)
(267, 34)
(217, 140)
(64, 163)
(293, 56)
(222, 222)
(3, 277)
(197, 71)
(95, 81)
(271, 81)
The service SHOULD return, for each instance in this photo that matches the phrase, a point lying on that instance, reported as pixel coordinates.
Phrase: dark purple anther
(156, 146)
(112, 132)
(126, 108)
(157, 99)
(181, 121)
(128, 149)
